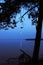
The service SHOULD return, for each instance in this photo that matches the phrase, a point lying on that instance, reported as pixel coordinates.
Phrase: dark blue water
(11, 47)
(11, 41)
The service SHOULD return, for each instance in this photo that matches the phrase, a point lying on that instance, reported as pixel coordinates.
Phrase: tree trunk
(38, 34)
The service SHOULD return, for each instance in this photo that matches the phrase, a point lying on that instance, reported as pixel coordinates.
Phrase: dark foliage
(13, 6)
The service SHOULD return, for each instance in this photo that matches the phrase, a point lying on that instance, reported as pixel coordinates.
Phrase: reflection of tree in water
(10, 7)
(12, 61)
(23, 59)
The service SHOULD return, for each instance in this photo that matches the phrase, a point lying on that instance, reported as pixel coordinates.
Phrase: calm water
(11, 41)
(11, 48)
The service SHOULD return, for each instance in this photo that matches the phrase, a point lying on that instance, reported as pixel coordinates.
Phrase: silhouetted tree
(13, 6)
(38, 33)
(10, 7)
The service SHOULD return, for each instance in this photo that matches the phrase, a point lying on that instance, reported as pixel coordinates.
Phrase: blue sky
(17, 32)
(12, 40)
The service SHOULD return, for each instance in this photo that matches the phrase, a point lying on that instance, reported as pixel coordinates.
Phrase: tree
(13, 6)
(10, 7)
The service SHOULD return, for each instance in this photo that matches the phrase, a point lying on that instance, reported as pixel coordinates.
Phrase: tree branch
(28, 11)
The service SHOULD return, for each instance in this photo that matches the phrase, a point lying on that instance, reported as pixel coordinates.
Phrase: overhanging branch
(28, 11)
